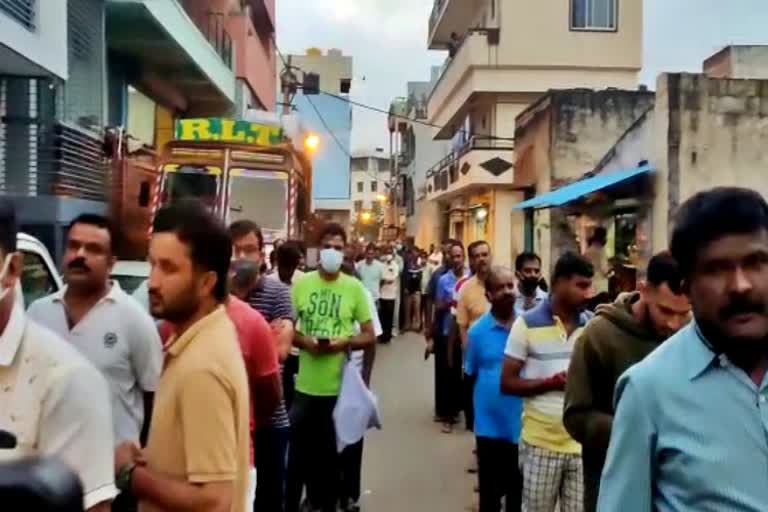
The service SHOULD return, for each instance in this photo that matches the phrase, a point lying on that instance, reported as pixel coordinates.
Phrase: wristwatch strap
(124, 477)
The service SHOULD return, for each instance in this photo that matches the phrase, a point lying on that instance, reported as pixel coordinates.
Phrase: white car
(130, 274)
(39, 278)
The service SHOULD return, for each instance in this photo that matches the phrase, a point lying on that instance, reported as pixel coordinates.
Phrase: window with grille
(22, 11)
(360, 186)
(374, 186)
(594, 15)
(358, 206)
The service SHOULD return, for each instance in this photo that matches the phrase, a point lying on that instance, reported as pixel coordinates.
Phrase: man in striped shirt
(272, 299)
(535, 367)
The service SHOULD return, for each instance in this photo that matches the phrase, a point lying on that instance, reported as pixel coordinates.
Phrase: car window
(128, 283)
(36, 279)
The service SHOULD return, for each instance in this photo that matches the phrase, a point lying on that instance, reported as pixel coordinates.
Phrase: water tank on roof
(314, 52)
(335, 52)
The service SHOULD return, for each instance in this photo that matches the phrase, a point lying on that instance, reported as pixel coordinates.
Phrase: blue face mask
(331, 260)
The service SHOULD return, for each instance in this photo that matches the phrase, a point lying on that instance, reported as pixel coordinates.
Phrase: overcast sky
(387, 39)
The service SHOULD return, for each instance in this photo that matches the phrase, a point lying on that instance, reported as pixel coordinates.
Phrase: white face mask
(6, 263)
(331, 260)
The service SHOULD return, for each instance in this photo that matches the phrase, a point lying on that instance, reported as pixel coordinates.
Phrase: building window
(360, 186)
(358, 206)
(594, 15)
(23, 11)
(374, 186)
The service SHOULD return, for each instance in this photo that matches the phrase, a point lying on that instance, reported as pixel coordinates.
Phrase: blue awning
(581, 188)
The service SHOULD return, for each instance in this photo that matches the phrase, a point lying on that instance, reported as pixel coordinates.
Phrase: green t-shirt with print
(326, 309)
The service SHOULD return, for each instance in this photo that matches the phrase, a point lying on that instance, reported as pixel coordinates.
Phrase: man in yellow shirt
(197, 455)
(471, 304)
(535, 367)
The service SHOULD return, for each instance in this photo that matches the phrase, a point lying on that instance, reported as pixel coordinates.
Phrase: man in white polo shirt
(108, 326)
(52, 400)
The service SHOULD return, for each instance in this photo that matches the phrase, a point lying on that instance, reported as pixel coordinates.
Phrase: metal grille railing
(23, 11)
(219, 38)
(74, 163)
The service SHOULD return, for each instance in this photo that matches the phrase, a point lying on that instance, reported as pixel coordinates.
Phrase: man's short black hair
(525, 257)
(288, 255)
(713, 214)
(333, 229)
(99, 221)
(571, 264)
(9, 230)
(455, 243)
(370, 247)
(474, 245)
(210, 245)
(241, 228)
(663, 268)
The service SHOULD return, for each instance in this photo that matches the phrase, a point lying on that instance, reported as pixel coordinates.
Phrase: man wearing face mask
(691, 418)
(55, 402)
(390, 275)
(621, 335)
(328, 305)
(528, 273)
(108, 326)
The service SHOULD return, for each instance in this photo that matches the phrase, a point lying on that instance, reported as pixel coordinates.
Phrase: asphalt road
(410, 465)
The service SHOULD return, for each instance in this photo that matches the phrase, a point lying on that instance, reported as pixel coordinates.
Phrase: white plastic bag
(357, 408)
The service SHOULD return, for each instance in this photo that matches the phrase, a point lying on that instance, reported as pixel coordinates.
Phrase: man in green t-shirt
(328, 304)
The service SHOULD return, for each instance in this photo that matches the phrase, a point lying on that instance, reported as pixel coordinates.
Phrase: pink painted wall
(255, 58)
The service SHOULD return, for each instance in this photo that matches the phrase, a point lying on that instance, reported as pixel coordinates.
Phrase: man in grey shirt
(106, 325)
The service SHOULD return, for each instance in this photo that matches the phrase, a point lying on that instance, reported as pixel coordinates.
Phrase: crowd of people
(221, 390)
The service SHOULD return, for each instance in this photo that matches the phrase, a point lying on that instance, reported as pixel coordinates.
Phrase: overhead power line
(377, 109)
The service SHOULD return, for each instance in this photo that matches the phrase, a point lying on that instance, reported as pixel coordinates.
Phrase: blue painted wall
(331, 164)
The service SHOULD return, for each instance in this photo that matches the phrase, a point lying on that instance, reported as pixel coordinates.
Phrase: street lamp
(312, 142)
(381, 198)
(365, 217)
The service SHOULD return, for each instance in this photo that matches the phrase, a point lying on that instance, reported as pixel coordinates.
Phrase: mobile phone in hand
(324, 342)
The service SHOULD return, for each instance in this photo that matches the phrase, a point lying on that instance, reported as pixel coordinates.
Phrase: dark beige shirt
(199, 431)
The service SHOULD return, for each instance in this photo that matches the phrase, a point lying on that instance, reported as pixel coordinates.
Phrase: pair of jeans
(270, 446)
(498, 475)
(387, 317)
(312, 457)
(468, 396)
(351, 467)
(447, 379)
(413, 311)
(290, 369)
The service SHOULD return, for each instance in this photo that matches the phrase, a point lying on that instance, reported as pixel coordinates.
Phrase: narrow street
(410, 465)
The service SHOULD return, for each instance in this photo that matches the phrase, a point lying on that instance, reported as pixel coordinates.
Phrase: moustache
(742, 305)
(78, 264)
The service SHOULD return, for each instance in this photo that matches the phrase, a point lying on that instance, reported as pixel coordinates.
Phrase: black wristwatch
(124, 477)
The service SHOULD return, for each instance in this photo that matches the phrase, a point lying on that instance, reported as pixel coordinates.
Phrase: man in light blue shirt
(371, 272)
(691, 425)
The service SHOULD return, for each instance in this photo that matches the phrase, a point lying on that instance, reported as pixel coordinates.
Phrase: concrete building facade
(74, 72)
(563, 138)
(330, 117)
(503, 56)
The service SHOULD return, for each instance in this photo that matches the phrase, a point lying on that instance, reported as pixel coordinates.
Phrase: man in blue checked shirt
(691, 425)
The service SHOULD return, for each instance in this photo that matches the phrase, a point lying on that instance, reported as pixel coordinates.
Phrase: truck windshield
(191, 182)
(261, 195)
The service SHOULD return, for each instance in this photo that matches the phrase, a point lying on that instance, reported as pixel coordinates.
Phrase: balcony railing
(476, 142)
(23, 11)
(219, 38)
(59, 159)
(437, 10)
(461, 164)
